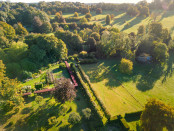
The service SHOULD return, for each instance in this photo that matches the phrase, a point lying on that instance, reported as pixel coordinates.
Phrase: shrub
(83, 21)
(88, 61)
(83, 54)
(96, 36)
(88, 16)
(108, 19)
(7, 105)
(38, 99)
(74, 118)
(63, 109)
(126, 66)
(62, 65)
(76, 14)
(52, 120)
(86, 113)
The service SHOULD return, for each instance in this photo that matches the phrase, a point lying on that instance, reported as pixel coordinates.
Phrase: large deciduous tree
(157, 115)
(64, 90)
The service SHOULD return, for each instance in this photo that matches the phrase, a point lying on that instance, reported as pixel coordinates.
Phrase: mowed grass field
(146, 81)
(121, 19)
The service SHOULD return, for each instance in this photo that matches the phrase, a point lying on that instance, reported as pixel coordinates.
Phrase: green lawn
(146, 81)
(121, 19)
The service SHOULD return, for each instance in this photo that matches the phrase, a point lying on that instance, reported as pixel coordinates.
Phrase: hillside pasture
(117, 90)
(129, 24)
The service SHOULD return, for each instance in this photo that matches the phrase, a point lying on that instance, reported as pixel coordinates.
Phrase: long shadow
(169, 71)
(64, 72)
(121, 20)
(135, 21)
(147, 81)
(167, 14)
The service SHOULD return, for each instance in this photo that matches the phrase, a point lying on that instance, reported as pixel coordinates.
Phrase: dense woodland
(34, 36)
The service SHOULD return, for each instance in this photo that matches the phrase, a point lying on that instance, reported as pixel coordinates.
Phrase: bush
(7, 105)
(126, 66)
(38, 99)
(76, 14)
(74, 118)
(99, 11)
(63, 109)
(86, 113)
(108, 19)
(62, 65)
(88, 61)
(88, 16)
(96, 36)
(52, 120)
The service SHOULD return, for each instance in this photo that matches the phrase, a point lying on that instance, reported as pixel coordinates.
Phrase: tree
(8, 30)
(4, 43)
(74, 118)
(83, 21)
(126, 66)
(92, 43)
(161, 52)
(96, 36)
(141, 30)
(144, 11)
(108, 19)
(64, 90)
(132, 11)
(76, 14)
(87, 113)
(9, 91)
(37, 24)
(20, 30)
(59, 19)
(46, 27)
(88, 16)
(156, 29)
(156, 116)
(99, 11)
(55, 26)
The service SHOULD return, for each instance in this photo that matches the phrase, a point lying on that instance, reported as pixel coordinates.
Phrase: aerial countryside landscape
(73, 65)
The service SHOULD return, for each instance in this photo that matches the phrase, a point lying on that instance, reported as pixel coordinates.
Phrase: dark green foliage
(124, 124)
(46, 27)
(144, 11)
(73, 41)
(92, 43)
(132, 11)
(88, 16)
(108, 19)
(133, 114)
(74, 118)
(141, 30)
(20, 30)
(39, 85)
(88, 61)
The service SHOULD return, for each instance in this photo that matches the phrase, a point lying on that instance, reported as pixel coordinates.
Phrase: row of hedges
(107, 113)
(88, 61)
(88, 94)
(73, 19)
(86, 25)
(70, 25)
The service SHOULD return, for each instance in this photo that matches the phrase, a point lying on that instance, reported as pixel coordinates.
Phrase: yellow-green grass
(57, 72)
(146, 81)
(33, 116)
(121, 19)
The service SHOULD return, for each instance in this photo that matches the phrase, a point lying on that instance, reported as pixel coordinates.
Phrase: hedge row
(81, 82)
(87, 25)
(73, 19)
(124, 124)
(134, 114)
(88, 61)
(107, 113)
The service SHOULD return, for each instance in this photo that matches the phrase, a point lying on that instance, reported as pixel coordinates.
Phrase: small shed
(144, 58)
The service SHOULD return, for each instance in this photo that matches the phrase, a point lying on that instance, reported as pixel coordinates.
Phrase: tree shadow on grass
(169, 70)
(121, 20)
(135, 21)
(166, 14)
(147, 81)
(61, 73)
